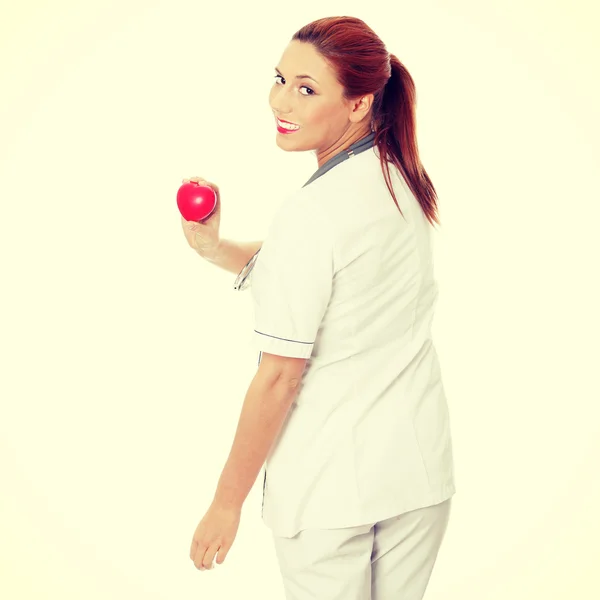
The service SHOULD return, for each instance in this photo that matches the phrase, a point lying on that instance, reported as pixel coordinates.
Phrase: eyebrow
(298, 76)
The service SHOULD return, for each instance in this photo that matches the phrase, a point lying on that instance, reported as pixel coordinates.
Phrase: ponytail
(395, 137)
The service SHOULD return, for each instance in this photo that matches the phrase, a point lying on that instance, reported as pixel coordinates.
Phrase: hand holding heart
(203, 236)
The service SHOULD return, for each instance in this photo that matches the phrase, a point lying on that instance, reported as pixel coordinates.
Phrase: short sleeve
(292, 281)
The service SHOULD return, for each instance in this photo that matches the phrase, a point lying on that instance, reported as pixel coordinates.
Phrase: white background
(126, 357)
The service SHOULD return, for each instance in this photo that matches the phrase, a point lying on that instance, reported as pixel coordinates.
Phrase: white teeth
(287, 125)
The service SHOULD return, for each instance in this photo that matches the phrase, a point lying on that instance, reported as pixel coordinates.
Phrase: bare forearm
(232, 256)
(264, 411)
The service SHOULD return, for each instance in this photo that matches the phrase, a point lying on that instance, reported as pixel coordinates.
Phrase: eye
(302, 86)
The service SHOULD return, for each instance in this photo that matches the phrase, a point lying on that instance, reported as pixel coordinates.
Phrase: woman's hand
(203, 236)
(215, 533)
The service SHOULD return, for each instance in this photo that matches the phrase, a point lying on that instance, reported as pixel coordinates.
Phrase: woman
(347, 406)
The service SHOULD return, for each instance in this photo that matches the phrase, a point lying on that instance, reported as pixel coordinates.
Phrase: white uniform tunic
(345, 280)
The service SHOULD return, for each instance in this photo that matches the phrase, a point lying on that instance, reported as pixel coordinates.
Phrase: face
(314, 103)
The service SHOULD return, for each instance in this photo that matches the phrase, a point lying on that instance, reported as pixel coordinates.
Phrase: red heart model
(196, 202)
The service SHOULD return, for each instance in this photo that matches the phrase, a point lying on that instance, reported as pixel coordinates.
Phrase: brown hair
(364, 66)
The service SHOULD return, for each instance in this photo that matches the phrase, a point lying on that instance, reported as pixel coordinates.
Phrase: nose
(279, 102)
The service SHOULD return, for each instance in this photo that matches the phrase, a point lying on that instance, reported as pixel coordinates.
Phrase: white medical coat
(344, 280)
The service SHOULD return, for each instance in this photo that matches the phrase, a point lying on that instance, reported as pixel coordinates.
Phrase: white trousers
(388, 560)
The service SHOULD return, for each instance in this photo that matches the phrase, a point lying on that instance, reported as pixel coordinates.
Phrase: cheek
(317, 114)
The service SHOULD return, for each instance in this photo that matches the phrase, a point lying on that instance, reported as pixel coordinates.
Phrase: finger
(199, 559)
(185, 225)
(188, 224)
(195, 226)
(205, 182)
(209, 557)
(223, 551)
(193, 549)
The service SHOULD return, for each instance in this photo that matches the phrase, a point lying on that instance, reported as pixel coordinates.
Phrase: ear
(359, 108)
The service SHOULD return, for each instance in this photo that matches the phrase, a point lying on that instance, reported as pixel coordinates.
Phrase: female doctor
(347, 406)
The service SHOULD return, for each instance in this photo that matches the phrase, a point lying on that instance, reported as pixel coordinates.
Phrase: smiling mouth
(284, 127)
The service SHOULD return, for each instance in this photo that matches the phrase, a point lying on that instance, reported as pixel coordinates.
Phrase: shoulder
(302, 208)
(299, 230)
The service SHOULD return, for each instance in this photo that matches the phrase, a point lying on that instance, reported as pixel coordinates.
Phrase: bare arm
(267, 403)
(232, 256)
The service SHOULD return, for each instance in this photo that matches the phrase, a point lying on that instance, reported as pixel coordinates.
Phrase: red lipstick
(283, 129)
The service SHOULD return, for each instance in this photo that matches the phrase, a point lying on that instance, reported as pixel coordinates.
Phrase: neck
(347, 139)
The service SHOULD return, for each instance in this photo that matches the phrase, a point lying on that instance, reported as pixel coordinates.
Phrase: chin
(285, 144)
